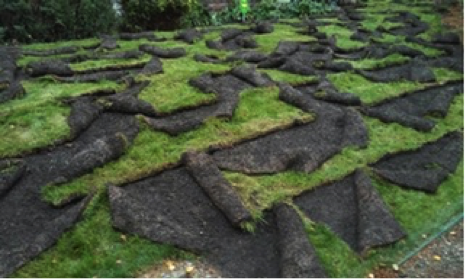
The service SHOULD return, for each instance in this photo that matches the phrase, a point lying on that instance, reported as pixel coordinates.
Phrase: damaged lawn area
(220, 92)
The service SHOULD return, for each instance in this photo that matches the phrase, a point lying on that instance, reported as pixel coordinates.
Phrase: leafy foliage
(50, 20)
(139, 15)
(270, 9)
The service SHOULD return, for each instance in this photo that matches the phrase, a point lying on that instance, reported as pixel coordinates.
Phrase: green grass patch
(94, 249)
(35, 127)
(368, 91)
(375, 92)
(342, 36)
(268, 42)
(170, 91)
(39, 119)
(39, 92)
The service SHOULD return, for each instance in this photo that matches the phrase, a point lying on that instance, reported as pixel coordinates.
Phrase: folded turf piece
(294, 66)
(149, 35)
(250, 56)
(171, 208)
(250, 75)
(298, 257)
(226, 86)
(8, 67)
(446, 38)
(302, 148)
(14, 91)
(233, 39)
(154, 66)
(273, 61)
(49, 67)
(412, 24)
(410, 110)
(127, 103)
(10, 172)
(207, 58)
(189, 36)
(417, 70)
(230, 33)
(426, 168)
(108, 43)
(286, 48)
(353, 210)
(241, 41)
(50, 52)
(163, 53)
(326, 91)
(83, 112)
(28, 225)
(203, 169)
(306, 62)
(131, 54)
(263, 27)
(95, 77)
(204, 82)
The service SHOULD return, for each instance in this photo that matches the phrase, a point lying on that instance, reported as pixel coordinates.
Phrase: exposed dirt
(443, 258)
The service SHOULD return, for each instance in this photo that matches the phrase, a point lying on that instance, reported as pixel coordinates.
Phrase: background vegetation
(51, 20)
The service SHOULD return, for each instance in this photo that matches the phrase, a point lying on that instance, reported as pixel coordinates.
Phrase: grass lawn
(93, 248)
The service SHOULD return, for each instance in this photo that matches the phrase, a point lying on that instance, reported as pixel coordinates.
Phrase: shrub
(50, 20)
(139, 15)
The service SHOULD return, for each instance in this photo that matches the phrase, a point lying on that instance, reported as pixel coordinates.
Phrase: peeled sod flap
(298, 257)
(83, 113)
(13, 91)
(353, 209)
(189, 36)
(128, 102)
(108, 42)
(154, 66)
(171, 208)
(302, 148)
(49, 67)
(50, 52)
(163, 53)
(28, 225)
(410, 110)
(220, 191)
(149, 35)
(10, 173)
(417, 70)
(425, 168)
(95, 77)
(227, 88)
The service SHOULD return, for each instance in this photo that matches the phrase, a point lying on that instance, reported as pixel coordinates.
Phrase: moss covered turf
(93, 248)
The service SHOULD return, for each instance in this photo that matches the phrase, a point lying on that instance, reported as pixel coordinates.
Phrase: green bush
(139, 15)
(50, 20)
